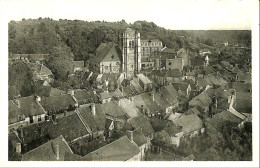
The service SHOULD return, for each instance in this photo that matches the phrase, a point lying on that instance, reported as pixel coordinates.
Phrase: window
(133, 44)
(117, 63)
(39, 118)
(130, 44)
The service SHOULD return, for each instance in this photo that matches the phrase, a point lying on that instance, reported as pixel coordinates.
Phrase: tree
(60, 62)
(20, 77)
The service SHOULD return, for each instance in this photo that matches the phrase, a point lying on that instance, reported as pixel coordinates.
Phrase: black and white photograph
(140, 83)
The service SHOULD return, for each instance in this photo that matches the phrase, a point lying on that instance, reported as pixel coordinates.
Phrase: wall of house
(142, 149)
(110, 67)
(137, 157)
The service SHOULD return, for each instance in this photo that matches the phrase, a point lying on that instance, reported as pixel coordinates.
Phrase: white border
(5, 6)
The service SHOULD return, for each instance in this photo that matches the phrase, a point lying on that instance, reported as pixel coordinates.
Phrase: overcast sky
(171, 14)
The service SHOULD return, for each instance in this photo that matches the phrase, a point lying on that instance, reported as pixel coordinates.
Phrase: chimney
(17, 103)
(93, 109)
(38, 98)
(54, 118)
(18, 147)
(130, 135)
(56, 151)
(72, 93)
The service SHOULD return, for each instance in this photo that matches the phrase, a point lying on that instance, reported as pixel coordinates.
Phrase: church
(128, 59)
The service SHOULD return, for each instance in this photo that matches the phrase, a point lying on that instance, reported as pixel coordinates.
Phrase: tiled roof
(112, 109)
(173, 129)
(119, 150)
(56, 103)
(70, 127)
(144, 79)
(136, 86)
(47, 151)
(28, 107)
(82, 95)
(105, 95)
(189, 123)
(78, 64)
(169, 93)
(173, 73)
(129, 108)
(181, 86)
(56, 92)
(94, 122)
(138, 137)
(202, 100)
(158, 124)
(240, 87)
(193, 110)
(161, 101)
(142, 122)
(218, 120)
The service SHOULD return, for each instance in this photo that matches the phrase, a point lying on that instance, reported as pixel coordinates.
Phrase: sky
(170, 14)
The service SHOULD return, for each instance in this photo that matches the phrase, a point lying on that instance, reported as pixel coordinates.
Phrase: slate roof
(28, 107)
(134, 84)
(108, 52)
(129, 108)
(46, 152)
(189, 123)
(240, 87)
(168, 50)
(119, 150)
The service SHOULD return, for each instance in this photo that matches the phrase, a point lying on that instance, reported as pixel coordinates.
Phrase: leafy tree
(60, 62)
(20, 77)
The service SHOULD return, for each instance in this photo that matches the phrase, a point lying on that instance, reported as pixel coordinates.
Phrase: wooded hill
(82, 37)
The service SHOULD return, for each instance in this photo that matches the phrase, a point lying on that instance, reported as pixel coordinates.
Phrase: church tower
(131, 53)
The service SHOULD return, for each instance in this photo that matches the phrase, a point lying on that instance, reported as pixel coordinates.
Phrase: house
(143, 123)
(218, 121)
(150, 47)
(173, 75)
(136, 136)
(106, 96)
(176, 63)
(82, 96)
(144, 82)
(34, 58)
(129, 108)
(197, 62)
(78, 65)
(41, 72)
(108, 59)
(119, 150)
(182, 88)
(175, 133)
(93, 118)
(162, 136)
(114, 113)
(182, 53)
(59, 104)
(202, 100)
(243, 102)
(191, 125)
(147, 105)
(53, 150)
(170, 94)
(24, 111)
(163, 103)
(159, 124)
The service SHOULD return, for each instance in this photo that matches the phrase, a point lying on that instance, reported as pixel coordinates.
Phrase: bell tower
(131, 53)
